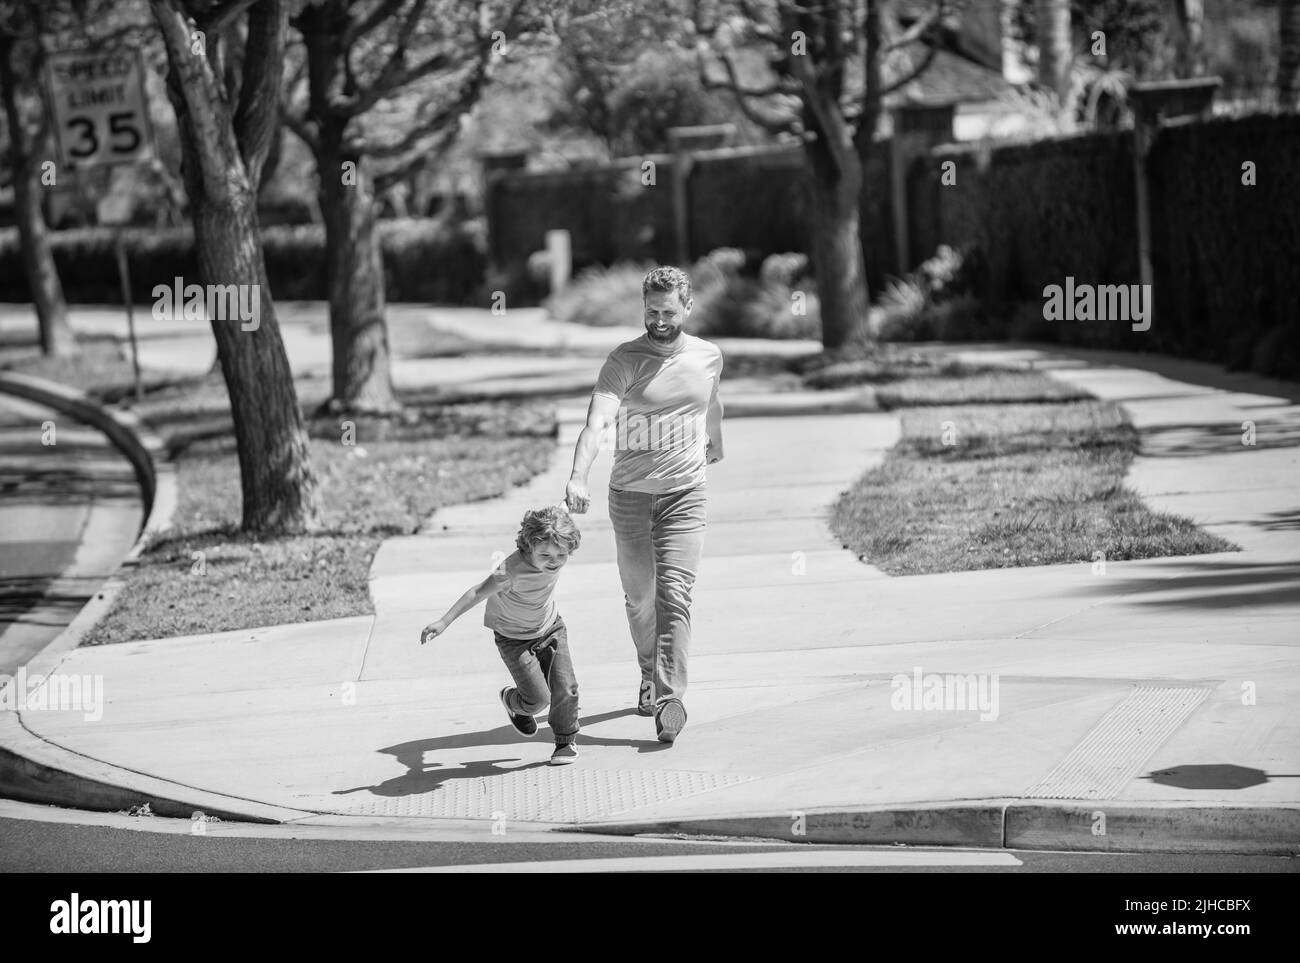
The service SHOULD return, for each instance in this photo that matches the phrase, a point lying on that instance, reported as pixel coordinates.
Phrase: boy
(530, 635)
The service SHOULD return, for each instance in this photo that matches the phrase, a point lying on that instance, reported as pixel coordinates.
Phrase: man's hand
(576, 496)
(432, 630)
(713, 453)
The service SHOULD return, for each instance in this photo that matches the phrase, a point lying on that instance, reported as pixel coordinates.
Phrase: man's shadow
(421, 778)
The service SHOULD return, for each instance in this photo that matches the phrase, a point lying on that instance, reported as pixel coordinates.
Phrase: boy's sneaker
(565, 754)
(645, 698)
(670, 720)
(524, 725)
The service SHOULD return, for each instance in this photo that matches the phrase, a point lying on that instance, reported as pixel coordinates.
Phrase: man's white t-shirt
(664, 393)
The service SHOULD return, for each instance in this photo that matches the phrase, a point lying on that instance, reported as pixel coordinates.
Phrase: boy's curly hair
(550, 524)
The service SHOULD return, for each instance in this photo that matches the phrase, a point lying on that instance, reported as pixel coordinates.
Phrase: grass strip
(976, 486)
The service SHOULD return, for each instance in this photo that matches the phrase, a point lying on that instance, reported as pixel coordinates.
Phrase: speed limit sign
(99, 107)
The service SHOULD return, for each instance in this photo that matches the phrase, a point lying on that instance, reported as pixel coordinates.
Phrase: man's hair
(549, 524)
(668, 279)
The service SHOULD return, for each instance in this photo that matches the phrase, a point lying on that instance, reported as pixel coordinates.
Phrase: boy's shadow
(420, 778)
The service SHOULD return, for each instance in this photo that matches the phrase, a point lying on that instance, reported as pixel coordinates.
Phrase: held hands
(577, 497)
(433, 630)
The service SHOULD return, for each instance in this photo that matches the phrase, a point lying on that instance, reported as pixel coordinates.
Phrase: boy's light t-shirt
(660, 432)
(525, 607)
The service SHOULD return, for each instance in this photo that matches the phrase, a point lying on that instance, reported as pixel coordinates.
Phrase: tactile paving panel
(1118, 746)
(548, 794)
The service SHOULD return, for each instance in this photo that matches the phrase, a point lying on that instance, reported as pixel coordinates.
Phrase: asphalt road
(40, 839)
(69, 511)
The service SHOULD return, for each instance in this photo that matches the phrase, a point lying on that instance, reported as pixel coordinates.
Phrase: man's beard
(670, 334)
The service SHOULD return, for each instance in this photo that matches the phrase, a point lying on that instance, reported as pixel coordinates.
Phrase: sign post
(101, 119)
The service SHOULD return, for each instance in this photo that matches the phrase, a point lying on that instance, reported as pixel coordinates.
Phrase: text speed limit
(99, 107)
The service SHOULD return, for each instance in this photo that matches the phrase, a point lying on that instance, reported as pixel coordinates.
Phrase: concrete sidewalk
(1146, 707)
(519, 343)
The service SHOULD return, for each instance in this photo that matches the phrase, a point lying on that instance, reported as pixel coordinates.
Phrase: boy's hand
(432, 630)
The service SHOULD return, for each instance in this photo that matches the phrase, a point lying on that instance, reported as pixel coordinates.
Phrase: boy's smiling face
(549, 555)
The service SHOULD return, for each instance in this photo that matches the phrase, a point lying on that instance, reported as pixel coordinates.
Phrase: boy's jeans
(660, 539)
(543, 672)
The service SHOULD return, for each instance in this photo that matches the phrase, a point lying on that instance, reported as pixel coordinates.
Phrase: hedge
(1225, 253)
(424, 260)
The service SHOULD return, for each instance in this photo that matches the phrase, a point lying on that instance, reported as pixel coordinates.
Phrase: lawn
(990, 472)
(208, 577)
(205, 576)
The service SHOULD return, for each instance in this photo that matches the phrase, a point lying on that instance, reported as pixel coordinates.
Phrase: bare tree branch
(220, 17)
(359, 28)
(395, 172)
(919, 29)
(298, 123)
(743, 95)
(926, 60)
(396, 59)
(257, 116)
(426, 123)
(824, 109)
(200, 91)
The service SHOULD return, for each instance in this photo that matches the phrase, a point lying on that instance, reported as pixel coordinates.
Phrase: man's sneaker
(670, 720)
(645, 698)
(563, 755)
(524, 725)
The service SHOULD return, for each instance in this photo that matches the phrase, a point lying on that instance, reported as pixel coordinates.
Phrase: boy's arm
(600, 413)
(490, 586)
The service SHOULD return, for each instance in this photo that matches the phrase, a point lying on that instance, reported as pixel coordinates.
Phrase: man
(662, 388)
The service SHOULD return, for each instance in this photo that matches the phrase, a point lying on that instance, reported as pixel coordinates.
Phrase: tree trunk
(361, 369)
(222, 170)
(362, 379)
(835, 190)
(38, 259)
(1055, 47)
(278, 485)
(1288, 63)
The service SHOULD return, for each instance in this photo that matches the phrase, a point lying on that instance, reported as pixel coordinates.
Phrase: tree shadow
(1218, 438)
(1210, 585)
(65, 481)
(19, 594)
(1285, 521)
(423, 778)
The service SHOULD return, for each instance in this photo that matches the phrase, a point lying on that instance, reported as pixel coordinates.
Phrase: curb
(34, 770)
(1070, 825)
(31, 769)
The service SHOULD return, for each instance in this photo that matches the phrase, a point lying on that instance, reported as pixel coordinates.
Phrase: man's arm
(600, 413)
(713, 423)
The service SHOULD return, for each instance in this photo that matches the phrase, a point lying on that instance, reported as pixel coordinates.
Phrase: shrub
(783, 269)
(727, 303)
(1025, 322)
(730, 305)
(424, 260)
(937, 301)
(602, 296)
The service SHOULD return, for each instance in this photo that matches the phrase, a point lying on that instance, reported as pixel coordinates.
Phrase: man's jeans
(543, 672)
(660, 539)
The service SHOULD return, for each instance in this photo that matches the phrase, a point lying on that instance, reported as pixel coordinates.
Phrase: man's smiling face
(665, 314)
